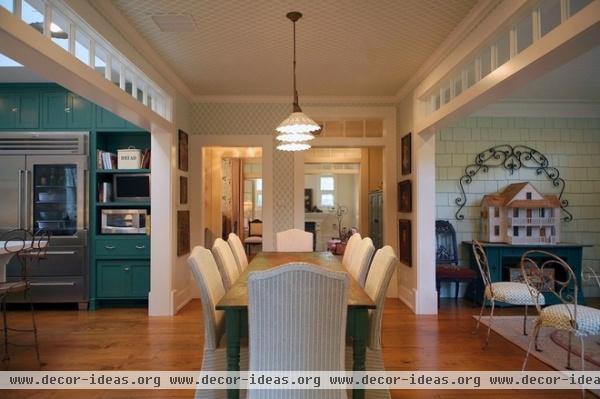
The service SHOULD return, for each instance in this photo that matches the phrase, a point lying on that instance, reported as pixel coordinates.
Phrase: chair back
(29, 248)
(361, 256)
(210, 285)
(350, 247)
(225, 262)
(546, 272)
(378, 281)
(297, 319)
(294, 240)
(482, 263)
(255, 228)
(446, 250)
(592, 274)
(238, 251)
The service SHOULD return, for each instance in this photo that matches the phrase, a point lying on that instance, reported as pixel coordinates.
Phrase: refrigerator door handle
(20, 202)
(28, 198)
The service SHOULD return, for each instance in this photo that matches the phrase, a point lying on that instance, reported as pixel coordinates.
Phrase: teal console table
(503, 257)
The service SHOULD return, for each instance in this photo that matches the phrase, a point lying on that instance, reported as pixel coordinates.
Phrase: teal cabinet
(123, 279)
(107, 120)
(64, 110)
(19, 110)
(123, 247)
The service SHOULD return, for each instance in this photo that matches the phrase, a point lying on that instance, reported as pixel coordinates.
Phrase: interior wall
(571, 144)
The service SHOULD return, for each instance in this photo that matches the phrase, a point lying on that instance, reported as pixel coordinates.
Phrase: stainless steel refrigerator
(44, 185)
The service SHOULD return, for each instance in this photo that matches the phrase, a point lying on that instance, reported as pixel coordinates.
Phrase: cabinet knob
(109, 247)
(68, 109)
(126, 269)
(140, 247)
(15, 109)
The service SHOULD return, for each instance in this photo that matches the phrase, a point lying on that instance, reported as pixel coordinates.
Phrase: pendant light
(296, 129)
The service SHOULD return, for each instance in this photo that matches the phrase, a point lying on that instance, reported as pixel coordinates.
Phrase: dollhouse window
(516, 212)
(515, 231)
(496, 212)
(553, 231)
(528, 231)
(496, 230)
(528, 195)
(542, 212)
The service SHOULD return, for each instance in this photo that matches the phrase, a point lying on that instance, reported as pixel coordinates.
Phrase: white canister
(129, 158)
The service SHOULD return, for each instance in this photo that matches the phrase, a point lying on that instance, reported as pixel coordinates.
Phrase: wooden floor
(126, 339)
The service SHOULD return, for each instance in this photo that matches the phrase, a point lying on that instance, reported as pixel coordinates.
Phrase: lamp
(296, 129)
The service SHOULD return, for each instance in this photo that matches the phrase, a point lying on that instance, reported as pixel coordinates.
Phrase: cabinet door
(8, 110)
(112, 281)
(107, 120)
(140, 279)
(28, 114)
(54, 106)
(80, 112)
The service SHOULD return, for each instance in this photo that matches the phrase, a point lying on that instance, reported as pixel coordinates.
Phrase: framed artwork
(183, 232)
(308, 199)
(183, 151)
(406, 153)
(405, 196)
(405, 241)
(183, 190)
(543, 282)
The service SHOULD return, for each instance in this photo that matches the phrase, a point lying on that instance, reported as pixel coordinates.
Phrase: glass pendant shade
(292, 147)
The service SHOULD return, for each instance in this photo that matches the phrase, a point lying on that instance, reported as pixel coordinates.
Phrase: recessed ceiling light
(175, 22)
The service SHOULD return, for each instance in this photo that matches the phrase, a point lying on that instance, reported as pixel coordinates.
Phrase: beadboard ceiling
(345, 47)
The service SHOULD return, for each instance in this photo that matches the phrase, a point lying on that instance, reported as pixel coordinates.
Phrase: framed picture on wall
(183, 151)
(183, 232)
(405, 241)
(405, 196)
(183, 190)
(406, 154)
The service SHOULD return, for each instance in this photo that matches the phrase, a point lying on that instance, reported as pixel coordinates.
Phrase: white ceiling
(345, 47)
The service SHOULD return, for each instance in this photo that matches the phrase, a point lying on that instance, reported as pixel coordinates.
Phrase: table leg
(232, 330)
(360, 329)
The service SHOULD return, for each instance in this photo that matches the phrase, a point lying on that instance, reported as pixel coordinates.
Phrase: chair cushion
(513, 293)
(253, 240)
(560, 316)
(452, 272)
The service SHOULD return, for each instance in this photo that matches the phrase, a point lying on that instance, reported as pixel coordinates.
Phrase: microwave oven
(123, 221)
(131, 187)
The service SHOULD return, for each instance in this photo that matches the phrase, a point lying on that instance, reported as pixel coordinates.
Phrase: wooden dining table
(235, 305)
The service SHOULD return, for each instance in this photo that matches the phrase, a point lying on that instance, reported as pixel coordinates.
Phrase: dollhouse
(520, 214)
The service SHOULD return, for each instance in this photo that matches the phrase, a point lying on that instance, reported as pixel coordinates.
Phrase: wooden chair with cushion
(238, 251)
(225, 262)
(211, 289)
(446, 260)
(254, 234)
(350, 247)
(297, 321)
(361, 258)
(294, 240)
(567, 315)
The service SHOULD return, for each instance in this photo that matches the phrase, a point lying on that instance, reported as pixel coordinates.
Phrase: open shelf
(123, 171)
(124, 203)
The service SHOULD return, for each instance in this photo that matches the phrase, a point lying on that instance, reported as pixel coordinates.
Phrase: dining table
(235, 305)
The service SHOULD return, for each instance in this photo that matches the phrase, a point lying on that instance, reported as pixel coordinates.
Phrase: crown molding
(541, 108)
(114, 17)
(481, 10)
(249, 99)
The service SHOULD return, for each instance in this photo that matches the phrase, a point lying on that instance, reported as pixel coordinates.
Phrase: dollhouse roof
(507, 198)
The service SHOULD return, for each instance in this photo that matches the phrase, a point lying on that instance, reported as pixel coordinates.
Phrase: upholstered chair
(238, 251)
(211, 289)
(361, 257)
(297, 321)
(294, 240)
(226, 262)
(350, 247)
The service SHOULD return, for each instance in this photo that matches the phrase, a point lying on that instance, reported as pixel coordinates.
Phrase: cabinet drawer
(54, 290)
(60, 261)
(123, 247)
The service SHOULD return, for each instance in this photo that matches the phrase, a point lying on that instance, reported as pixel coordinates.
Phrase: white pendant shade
(297, 127)
(293, 147)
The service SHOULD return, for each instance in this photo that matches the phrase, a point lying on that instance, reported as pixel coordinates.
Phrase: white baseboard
(180, 298)
(408, 297)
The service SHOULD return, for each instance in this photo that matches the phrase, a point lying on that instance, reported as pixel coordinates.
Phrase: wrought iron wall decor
(512, 158)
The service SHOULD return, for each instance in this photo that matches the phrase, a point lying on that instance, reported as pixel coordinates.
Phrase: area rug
(553, 343)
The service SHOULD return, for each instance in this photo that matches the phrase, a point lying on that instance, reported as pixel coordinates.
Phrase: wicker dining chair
(509, 292)
(567, 315)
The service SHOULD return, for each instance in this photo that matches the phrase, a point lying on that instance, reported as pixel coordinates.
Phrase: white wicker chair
(361, 257)
(503, 291)
(238, 251)
(350, 247)
(226, 262)
(297, 321)
(378, 281)
(294, 240)
(210, 285)
(567, 315)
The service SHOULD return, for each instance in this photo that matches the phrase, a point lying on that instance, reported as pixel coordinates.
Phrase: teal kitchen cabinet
(122, 279)
(65, 110)
(19, 110)
(107, 120)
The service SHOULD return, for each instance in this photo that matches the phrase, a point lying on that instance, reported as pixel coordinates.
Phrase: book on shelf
(107, 160)
(145, 163)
